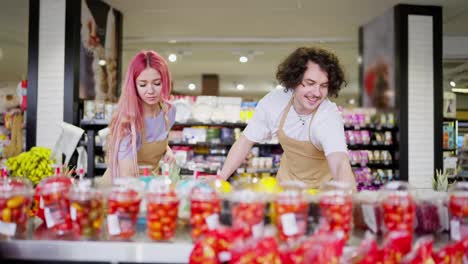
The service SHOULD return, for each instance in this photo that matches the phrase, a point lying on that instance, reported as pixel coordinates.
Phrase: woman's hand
(169, 157)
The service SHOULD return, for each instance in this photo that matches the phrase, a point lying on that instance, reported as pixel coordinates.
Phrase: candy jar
(398, 207)
(336, 208)
(290, 211)
(247, 210)
(55, 203)
(458, 208)
(162, 209)
(15, 200)
(86, 210)
(123, 203)
(205, 207)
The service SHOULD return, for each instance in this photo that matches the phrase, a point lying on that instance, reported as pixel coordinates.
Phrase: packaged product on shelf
(99, 110)
(247, 111)
(388, 138)
(205, 207)
(86, 210)
(123, 204)
(183, 110)
(228, 110)
(395, 246)
(203, 109)
(162, 209)
(365, 136)
(213, 135)
(108, 110)
(89, 110)
(290, 211)
(15, 201)
(398, 207)
(336, 208)
(386, 157)
(194, 135)
(227, 134)
(458, 208)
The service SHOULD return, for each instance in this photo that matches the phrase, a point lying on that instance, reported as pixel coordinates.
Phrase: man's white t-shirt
(326, 131)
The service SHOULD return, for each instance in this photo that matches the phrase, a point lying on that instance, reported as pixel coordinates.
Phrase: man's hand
(338, 162)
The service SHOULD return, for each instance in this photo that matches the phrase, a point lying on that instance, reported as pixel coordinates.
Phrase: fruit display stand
(140, 250)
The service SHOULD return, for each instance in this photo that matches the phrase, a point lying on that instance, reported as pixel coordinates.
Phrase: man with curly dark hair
(308, 125)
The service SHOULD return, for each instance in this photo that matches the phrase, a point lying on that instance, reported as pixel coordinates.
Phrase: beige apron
(301, 160)
(150, 153)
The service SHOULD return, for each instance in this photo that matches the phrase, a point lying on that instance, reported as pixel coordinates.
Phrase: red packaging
(398, 208)
(290, 211)
(368, 252)
(162, 209)
(247, 211)
(123, 205)
(55, 203)
(15, 200)
(336, 207)
(458, 208)
(205, 206)
(421, 253)
(395, 246)
(86, 210)
(38, 203)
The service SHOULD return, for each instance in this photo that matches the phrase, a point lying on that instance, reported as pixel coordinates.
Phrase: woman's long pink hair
(128, 118)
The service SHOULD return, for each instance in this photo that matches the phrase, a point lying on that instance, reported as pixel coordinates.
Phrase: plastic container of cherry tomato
(290, 208)
(247, 212)
(54, 194)
(398, 208)
(123, 204)
(162, 209)
(15, 200)
(336, 208)
(86, 210)
(38, 203)
(205, 209)
(431, 212)
(458, 208)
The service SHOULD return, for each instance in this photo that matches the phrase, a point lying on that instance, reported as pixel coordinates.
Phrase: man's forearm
(236, 156)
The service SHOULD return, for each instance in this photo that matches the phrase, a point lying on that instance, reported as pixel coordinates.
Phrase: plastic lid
(245, 196)
(203, 192)
(15, 186)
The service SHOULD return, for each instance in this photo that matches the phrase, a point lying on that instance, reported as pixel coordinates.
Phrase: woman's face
(149, 86)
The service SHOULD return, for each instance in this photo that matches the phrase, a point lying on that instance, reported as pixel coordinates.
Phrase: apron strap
(285, 113)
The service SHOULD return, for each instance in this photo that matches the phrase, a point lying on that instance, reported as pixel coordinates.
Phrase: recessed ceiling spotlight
(102, 62)
(453, 84)
(172, 41)
(192, 86)
(240, 87)
(172, 57)
(243, 59)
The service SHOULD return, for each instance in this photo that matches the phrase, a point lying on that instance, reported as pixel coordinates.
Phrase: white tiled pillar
(50, 71)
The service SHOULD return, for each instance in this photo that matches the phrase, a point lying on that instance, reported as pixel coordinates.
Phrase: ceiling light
(192, 86)
(1, 53)
(102, 62)
(453, 84)
(172, 57)
(351, 101)
(243, 59)
(240, 87)
(460, 90)
(278, 87)
(172, 41)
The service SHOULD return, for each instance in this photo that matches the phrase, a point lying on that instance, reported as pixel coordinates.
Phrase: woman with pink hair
(140, 125)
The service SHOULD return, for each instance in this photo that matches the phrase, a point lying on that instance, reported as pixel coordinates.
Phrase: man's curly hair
(290, 72)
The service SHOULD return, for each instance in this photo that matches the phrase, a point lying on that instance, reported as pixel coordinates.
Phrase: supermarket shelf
(449, 149)
(101, 166)
(87, 124)
(372, 128)
(371, 147)
(450, 119)
(376, 166)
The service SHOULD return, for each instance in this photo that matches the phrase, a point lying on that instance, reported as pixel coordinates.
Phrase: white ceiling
(211, 34)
